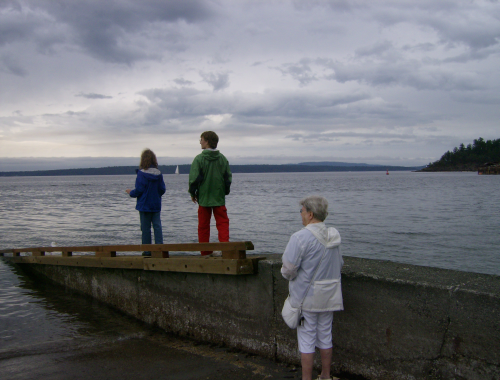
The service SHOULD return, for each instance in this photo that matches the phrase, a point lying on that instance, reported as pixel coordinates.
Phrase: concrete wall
(400, 321)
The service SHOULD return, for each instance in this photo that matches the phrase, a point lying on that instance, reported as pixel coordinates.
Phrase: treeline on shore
(184, 169)
(467, 158)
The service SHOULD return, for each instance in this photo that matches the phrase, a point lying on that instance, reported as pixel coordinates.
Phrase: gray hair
(317, 205)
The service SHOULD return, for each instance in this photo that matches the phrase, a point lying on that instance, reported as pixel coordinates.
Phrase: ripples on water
(447, 220)
(24, 312)
(34, 313)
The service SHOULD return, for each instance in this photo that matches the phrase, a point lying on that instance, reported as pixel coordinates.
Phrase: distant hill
(184, 169)
(298, 168)
(333, 163)
(467, 158)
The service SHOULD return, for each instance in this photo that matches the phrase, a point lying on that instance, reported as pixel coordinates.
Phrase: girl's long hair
(148, 160)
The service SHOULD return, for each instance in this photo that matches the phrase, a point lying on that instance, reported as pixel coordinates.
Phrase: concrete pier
(400, 321)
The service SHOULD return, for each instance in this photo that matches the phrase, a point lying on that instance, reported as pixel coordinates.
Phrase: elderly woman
(312, 263)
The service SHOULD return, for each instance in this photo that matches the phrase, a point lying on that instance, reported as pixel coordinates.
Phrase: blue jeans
(148, 218)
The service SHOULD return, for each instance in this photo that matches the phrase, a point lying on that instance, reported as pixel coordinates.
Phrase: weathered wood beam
(160, 254)
(234, 254)
(180, 247)
(105, 253)
(201, 265)
(191, 264)
(125, 262)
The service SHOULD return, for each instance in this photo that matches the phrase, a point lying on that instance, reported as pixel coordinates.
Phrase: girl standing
(149, 187)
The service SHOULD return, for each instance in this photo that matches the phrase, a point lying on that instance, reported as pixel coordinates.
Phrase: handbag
(291, 315)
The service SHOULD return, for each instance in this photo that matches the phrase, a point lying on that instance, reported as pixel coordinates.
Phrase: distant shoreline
(184, 169)
(447, 171)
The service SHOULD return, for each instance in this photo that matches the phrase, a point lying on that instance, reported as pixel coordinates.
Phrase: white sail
(177, 170)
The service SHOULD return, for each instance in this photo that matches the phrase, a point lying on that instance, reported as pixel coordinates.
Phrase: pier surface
(157, 356)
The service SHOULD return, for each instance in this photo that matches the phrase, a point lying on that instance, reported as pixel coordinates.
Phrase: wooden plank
(105, 253)
(37, 252)
(160, 254)
(235, 254)
(181, 247)
(129, 262)
(59, 249)
(19, 259)
(200, 265)
(190, 264)
(49, 260)
(184, 247)
(67, 253)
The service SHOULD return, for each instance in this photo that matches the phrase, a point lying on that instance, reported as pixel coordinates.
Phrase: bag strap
(312, 279)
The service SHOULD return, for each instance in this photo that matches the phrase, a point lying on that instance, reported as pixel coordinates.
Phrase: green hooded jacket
(210, 178)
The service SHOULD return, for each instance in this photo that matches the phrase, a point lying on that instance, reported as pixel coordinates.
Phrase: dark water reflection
(35, 312)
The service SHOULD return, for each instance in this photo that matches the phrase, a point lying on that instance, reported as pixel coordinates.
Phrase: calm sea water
(446, 220)
(37, 314)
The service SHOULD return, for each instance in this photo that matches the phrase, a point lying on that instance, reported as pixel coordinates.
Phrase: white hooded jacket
(302, 256)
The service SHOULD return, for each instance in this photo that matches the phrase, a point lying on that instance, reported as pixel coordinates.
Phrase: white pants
(316, 331)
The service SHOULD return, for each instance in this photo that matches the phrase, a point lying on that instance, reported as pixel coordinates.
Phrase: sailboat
(177, 170)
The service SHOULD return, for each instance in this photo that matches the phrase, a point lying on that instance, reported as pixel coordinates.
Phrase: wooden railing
(233, 260)
(230, 250)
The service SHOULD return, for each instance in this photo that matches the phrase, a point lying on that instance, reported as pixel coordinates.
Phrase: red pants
(221, 222)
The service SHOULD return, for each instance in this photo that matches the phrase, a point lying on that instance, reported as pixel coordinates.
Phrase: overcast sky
(382, 82)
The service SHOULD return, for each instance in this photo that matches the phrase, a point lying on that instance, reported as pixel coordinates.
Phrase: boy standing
(209, 183)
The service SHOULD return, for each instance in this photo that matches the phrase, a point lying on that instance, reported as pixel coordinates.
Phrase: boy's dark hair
(148, 160)
(211, 138)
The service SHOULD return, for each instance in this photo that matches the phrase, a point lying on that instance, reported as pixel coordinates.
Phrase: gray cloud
(367, 136)
(257, 63)
(183, 82)
(336, 5)
(381, 65)
(300, 71)
(12, 26)
(410, 73)
(219, 81)
(285, 111)
(465, 23)
(378, 50)
(104, 29)
(471, 31)
(93, 96)
(473, 55)
(11, 66)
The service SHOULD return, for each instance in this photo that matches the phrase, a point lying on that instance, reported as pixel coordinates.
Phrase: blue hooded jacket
(149, 187)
